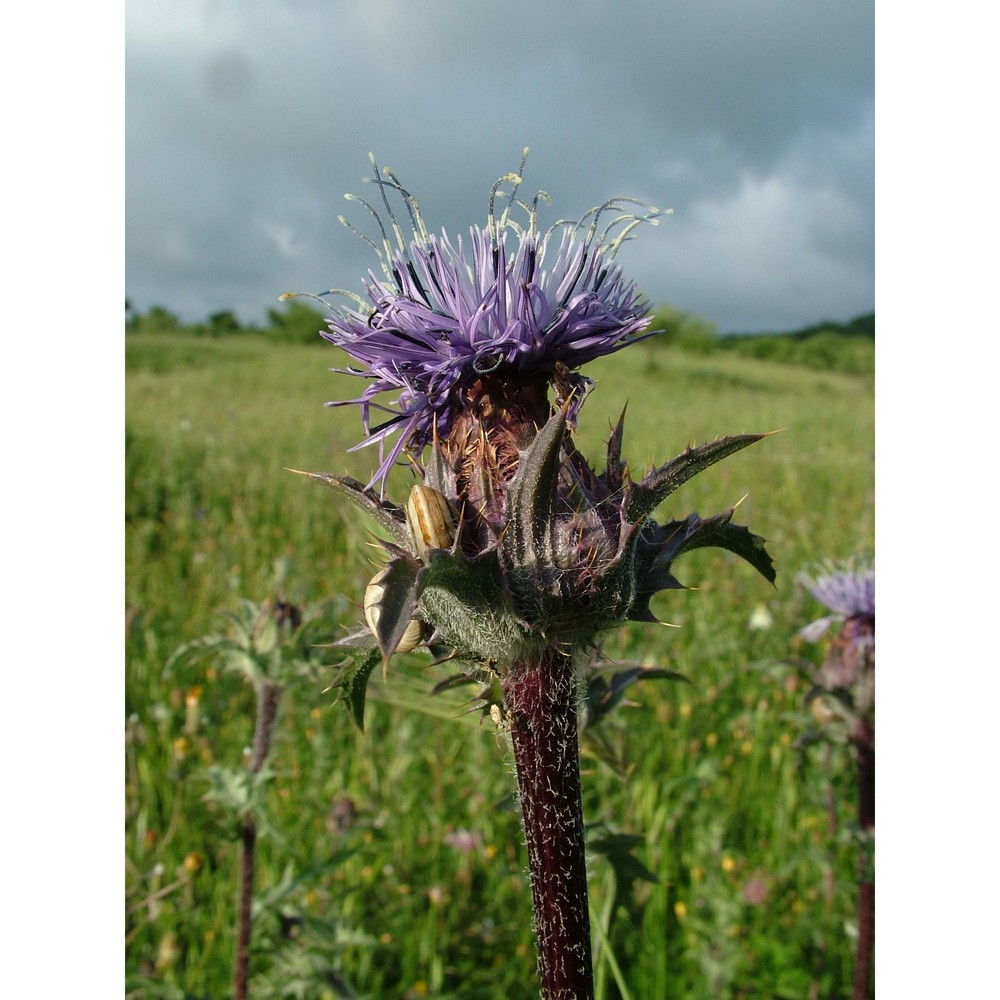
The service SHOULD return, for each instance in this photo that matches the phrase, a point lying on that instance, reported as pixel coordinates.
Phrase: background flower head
(847, 589)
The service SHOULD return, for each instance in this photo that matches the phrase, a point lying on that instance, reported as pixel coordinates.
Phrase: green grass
(705, 772)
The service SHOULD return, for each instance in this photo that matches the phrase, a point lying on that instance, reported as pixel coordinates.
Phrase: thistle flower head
(512, 306)
(848, 590)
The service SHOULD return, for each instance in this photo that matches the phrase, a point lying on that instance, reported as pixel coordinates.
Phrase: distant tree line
(845, 347)
(294, 323)
(832, 346)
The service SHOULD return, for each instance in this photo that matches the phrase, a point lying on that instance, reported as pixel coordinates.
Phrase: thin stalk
(541, 695)
(864, 743)
(268, 695)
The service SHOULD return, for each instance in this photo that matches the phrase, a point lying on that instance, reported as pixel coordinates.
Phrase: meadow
(722, 860)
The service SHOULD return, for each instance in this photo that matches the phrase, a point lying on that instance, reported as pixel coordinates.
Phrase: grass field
(394, 858)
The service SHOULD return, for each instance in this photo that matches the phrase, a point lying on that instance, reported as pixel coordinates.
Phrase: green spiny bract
(545, 551)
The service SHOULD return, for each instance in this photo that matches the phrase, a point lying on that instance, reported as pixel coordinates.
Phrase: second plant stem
(864, 744)
(268, 696)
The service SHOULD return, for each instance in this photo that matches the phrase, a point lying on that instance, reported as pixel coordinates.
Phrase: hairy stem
(541, 695)
(268, 695)
(864, 743)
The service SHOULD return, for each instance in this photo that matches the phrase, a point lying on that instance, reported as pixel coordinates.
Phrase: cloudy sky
(248, 120)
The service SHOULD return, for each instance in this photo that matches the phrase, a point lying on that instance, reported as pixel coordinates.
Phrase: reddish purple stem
(541, 696)
(864, 743)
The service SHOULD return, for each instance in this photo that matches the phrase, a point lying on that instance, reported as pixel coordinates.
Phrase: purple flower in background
(848, 592)
(464, 841)
(756, 889)
(512, 304)
(845, 684)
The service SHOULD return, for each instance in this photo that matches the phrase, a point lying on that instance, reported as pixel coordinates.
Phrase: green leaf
(527, 539)
(238, 661)
(615, 473)
(388, 515)
(236, 789)
(605, 694)
(719, 532)
(353, 683)
(277, 895)
(644, 497)
(401, 583)
(454, 681)
(359, 638)
(678, 537)
(452, 585)
(662, 544)
(196, 649)
(439, 475)
(618, 848)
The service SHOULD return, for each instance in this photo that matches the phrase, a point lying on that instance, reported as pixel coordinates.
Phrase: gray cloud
(247, 122)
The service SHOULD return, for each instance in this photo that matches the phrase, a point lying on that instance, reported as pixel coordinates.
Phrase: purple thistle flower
(846, 680)
(445, 314)
(849, 592)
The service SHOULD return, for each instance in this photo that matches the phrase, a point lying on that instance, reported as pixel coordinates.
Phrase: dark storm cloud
(754, 121)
